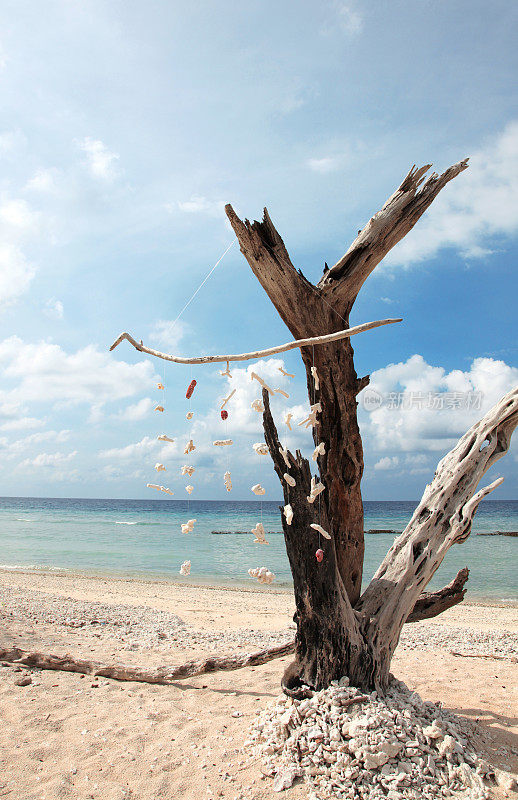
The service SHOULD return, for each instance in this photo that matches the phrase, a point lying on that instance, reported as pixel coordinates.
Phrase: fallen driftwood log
(162, 675)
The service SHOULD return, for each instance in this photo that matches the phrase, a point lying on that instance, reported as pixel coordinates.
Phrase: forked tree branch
(383, 231)
(270, 351)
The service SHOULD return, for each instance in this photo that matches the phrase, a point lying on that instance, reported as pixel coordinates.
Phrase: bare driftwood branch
(162, 675)
(431, 604)
(443, 518)
(264, 249)
(270, 351)
(384, 230)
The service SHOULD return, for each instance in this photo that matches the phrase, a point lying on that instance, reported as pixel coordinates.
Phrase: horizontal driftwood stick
(270, 351)
(163, 675)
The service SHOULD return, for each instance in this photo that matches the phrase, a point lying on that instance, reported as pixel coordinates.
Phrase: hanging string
(314, 395)
(204, 281)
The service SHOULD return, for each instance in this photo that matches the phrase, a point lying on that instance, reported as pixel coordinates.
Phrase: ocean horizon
(143, 539)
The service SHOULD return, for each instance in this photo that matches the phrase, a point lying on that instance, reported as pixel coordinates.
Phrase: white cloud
(23, 423)
(17, 215)
(137, 450)
(168, 333)
(346, 18)
(200, 205)
(13, 449)
(47, 460)
(43, 181)
(349, 19)
(101, 162)
(11, 141)
(424, 408)
(54, 309)
(322, 165)
(137, 411)
(477, 207)
(16, 274)
(47, 373)
(387, 462)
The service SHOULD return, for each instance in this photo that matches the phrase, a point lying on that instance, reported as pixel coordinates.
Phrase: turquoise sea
(143, 538)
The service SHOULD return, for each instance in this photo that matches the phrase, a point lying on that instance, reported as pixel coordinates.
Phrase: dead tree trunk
(339, 633)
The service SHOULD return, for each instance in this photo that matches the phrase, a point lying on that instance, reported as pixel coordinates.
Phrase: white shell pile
(263, 574)
(375, 748)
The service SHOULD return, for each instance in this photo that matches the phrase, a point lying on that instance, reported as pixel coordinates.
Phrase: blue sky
(125, 127)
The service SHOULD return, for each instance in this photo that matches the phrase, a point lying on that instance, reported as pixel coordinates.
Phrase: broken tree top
(270, 351)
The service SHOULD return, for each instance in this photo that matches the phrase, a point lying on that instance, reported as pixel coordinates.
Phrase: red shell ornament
(319, 555)
(190, 390)
(224, 413)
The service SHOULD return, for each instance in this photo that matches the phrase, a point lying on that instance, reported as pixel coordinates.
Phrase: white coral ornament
(153, 486)
(185, 569)
(289, 479)
(260, 448)
(319, 528)
(320, 450)
(189, 415)
(287, 420)
(163, 438)
(159, 467)
(158, 408)
(188, 526)
(316, 489)
(187, 470)
(288, 513)
(311, 419)
(228, 481)
(189, 489)
(284, 453)
(260, 534)
(222, 442)
(225, 401)
(160, 386)
(166, 490)
(262, 574)
(288, 374)
(257, 405)
(258, 489)
(315, 378)
(189, 447)
(281, 391)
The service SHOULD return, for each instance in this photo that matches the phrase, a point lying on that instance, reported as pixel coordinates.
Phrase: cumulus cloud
(101, 162)
(47, 460)
(474, 211)
(42, 182)
(54, 309)
(136, 411)
(139, 451)
(415, 406)
(22, 423)
(13, 449)
(44, 372)
(387, 462)
(16, 274)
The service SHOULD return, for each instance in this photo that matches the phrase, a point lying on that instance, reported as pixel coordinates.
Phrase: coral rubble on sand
(346, 744)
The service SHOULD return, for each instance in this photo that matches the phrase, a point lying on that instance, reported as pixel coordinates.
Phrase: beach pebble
(25, 681)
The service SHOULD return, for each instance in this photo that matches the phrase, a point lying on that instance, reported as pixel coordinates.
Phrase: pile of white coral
(346, 744)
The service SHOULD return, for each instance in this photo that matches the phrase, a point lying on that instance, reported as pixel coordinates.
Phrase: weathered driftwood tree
(339, 630)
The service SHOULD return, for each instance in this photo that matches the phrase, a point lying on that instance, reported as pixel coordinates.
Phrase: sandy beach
(66, 735)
